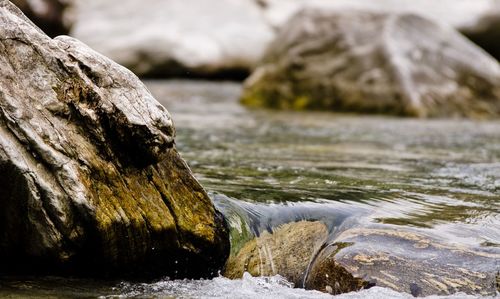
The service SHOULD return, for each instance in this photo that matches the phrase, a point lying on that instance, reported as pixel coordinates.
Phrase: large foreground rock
(363, 61)
(90, 177)
(176, 37)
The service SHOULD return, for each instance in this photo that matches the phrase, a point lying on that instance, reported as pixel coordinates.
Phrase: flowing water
(440, 178)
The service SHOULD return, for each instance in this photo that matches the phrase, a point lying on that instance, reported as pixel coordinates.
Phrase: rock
(352, 258)
(327, 275)
(456, 13)
(176, 38)
(194, 38)
(405, 261)
(362, 61)
(287, 251)
(478, 20)
(50, 15)
(91, 180)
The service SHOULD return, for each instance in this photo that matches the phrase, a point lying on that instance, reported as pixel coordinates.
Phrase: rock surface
(362, 61)
(176, 37)
(287, 251)
(476, 19)
(50, 15)
(404, 260)
(91, 180)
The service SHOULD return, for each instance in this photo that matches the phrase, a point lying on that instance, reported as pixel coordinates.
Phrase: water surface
(436, 177)
(440, 175)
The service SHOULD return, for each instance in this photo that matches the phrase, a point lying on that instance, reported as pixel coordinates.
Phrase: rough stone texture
(175, 37)
(50, 15)
(401, 64)
(405, 260)
(90, 177)
(287, 251)
(327, 275)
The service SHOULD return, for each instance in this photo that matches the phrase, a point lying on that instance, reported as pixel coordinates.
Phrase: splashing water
(274, 287)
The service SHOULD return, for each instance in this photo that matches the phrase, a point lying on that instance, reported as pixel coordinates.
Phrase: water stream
(264, 168)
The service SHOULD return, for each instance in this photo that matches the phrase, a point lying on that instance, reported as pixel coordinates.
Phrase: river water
(440, 178)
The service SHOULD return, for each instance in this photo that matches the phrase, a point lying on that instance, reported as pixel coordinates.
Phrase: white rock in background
(477, 19)
(176, 37)
(457, 13)
(227, 37)
(360, 61)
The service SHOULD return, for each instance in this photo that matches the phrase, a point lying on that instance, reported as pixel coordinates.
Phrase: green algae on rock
(361, 61)
(90, 180)
(286, 251)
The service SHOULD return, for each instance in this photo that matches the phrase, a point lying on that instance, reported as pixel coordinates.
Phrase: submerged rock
(90, 177)
(403, 260)
(177, 37)
(363, 61)
(287, 251)
(408, 261)
(50, 15)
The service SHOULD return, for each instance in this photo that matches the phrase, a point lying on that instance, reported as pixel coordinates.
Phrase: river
(440, 178)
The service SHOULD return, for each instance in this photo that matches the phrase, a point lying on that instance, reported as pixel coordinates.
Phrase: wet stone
(286, 251)
(91, 181)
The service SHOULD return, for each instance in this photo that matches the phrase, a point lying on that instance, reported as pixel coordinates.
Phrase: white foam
(274, 287)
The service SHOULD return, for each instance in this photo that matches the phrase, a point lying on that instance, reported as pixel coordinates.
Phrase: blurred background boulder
(176, 38)
(223, 39)
(394, 63)
(486, 31)
(478, 20)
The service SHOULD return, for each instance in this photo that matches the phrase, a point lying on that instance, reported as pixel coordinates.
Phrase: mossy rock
(404, 259)
(286, 251)
(91, 180)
